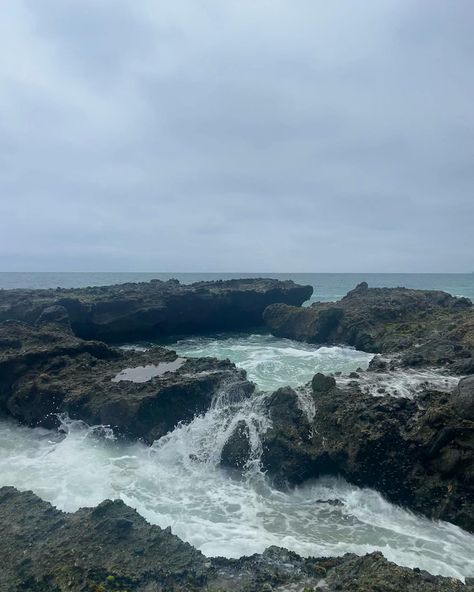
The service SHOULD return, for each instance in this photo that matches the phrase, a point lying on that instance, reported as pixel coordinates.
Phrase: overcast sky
(237, 135)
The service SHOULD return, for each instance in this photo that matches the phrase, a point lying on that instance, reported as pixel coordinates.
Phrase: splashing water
(403, 383)
(177, 482)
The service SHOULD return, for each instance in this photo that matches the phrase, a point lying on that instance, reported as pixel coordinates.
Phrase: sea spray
(178, 482)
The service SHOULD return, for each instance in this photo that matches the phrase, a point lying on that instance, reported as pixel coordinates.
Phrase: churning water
(177, 482)
(272, 362)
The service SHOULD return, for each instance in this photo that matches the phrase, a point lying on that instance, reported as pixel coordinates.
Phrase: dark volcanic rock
(145, 310)
(417, 453)
(45, 371)
(427, 328)
(111, 548)
(236, 451)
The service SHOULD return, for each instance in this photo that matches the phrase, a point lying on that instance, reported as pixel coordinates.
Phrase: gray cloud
(245, 136)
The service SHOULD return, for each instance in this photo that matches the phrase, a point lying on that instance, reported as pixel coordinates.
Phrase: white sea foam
(272, 362)
(403, 383)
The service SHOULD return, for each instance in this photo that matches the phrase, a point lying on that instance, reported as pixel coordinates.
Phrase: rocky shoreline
(128, 312)
(418, 328)
(112, 548)
(418, 452)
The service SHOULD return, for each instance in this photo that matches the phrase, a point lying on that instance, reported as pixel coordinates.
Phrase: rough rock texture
(46, 370)
(236, 451)
(418, 453)
(111, 548)
(426, 328)
(155, 309)
(463, 398)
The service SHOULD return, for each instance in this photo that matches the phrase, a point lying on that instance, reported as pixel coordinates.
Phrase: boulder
(323, 384)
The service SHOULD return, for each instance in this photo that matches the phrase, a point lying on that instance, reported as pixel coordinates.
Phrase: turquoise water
(327, 286)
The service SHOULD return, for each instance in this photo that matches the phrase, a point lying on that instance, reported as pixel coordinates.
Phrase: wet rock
(287, 444)
(45, 371)
(111, 548)
(236, 451)
(131, 311)
(424, 327)
(417, 453)
(322, 383)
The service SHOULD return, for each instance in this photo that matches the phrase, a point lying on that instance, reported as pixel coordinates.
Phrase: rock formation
(111, 548)
(418, 453)
(422, 327)
(46, 370)
(155, 309)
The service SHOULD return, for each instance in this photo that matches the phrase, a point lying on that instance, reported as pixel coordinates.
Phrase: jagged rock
(426, 327)
(111, 548)
(417, 453)
(131, 311)
(46, 370)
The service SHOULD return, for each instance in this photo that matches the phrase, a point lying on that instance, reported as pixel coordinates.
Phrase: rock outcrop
(155, 309)
(46, 370)
(111, 548)
(418, 453)
(423, 327)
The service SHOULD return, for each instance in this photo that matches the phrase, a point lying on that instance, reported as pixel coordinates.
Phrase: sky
(237, 135)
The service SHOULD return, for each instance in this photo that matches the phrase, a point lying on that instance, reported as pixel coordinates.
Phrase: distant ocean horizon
(327, 286)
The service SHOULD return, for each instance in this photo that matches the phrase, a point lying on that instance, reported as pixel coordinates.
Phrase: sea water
(178, 482)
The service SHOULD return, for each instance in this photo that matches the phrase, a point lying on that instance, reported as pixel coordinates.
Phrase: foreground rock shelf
(422, 327)
(111, 548)
(132, 311)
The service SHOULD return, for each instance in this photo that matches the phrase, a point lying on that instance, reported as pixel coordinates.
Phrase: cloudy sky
(237, 135)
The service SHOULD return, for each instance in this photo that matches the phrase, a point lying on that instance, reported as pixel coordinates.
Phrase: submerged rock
(131, 311)
(425, 327)
(111, 548)
(46, 370)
